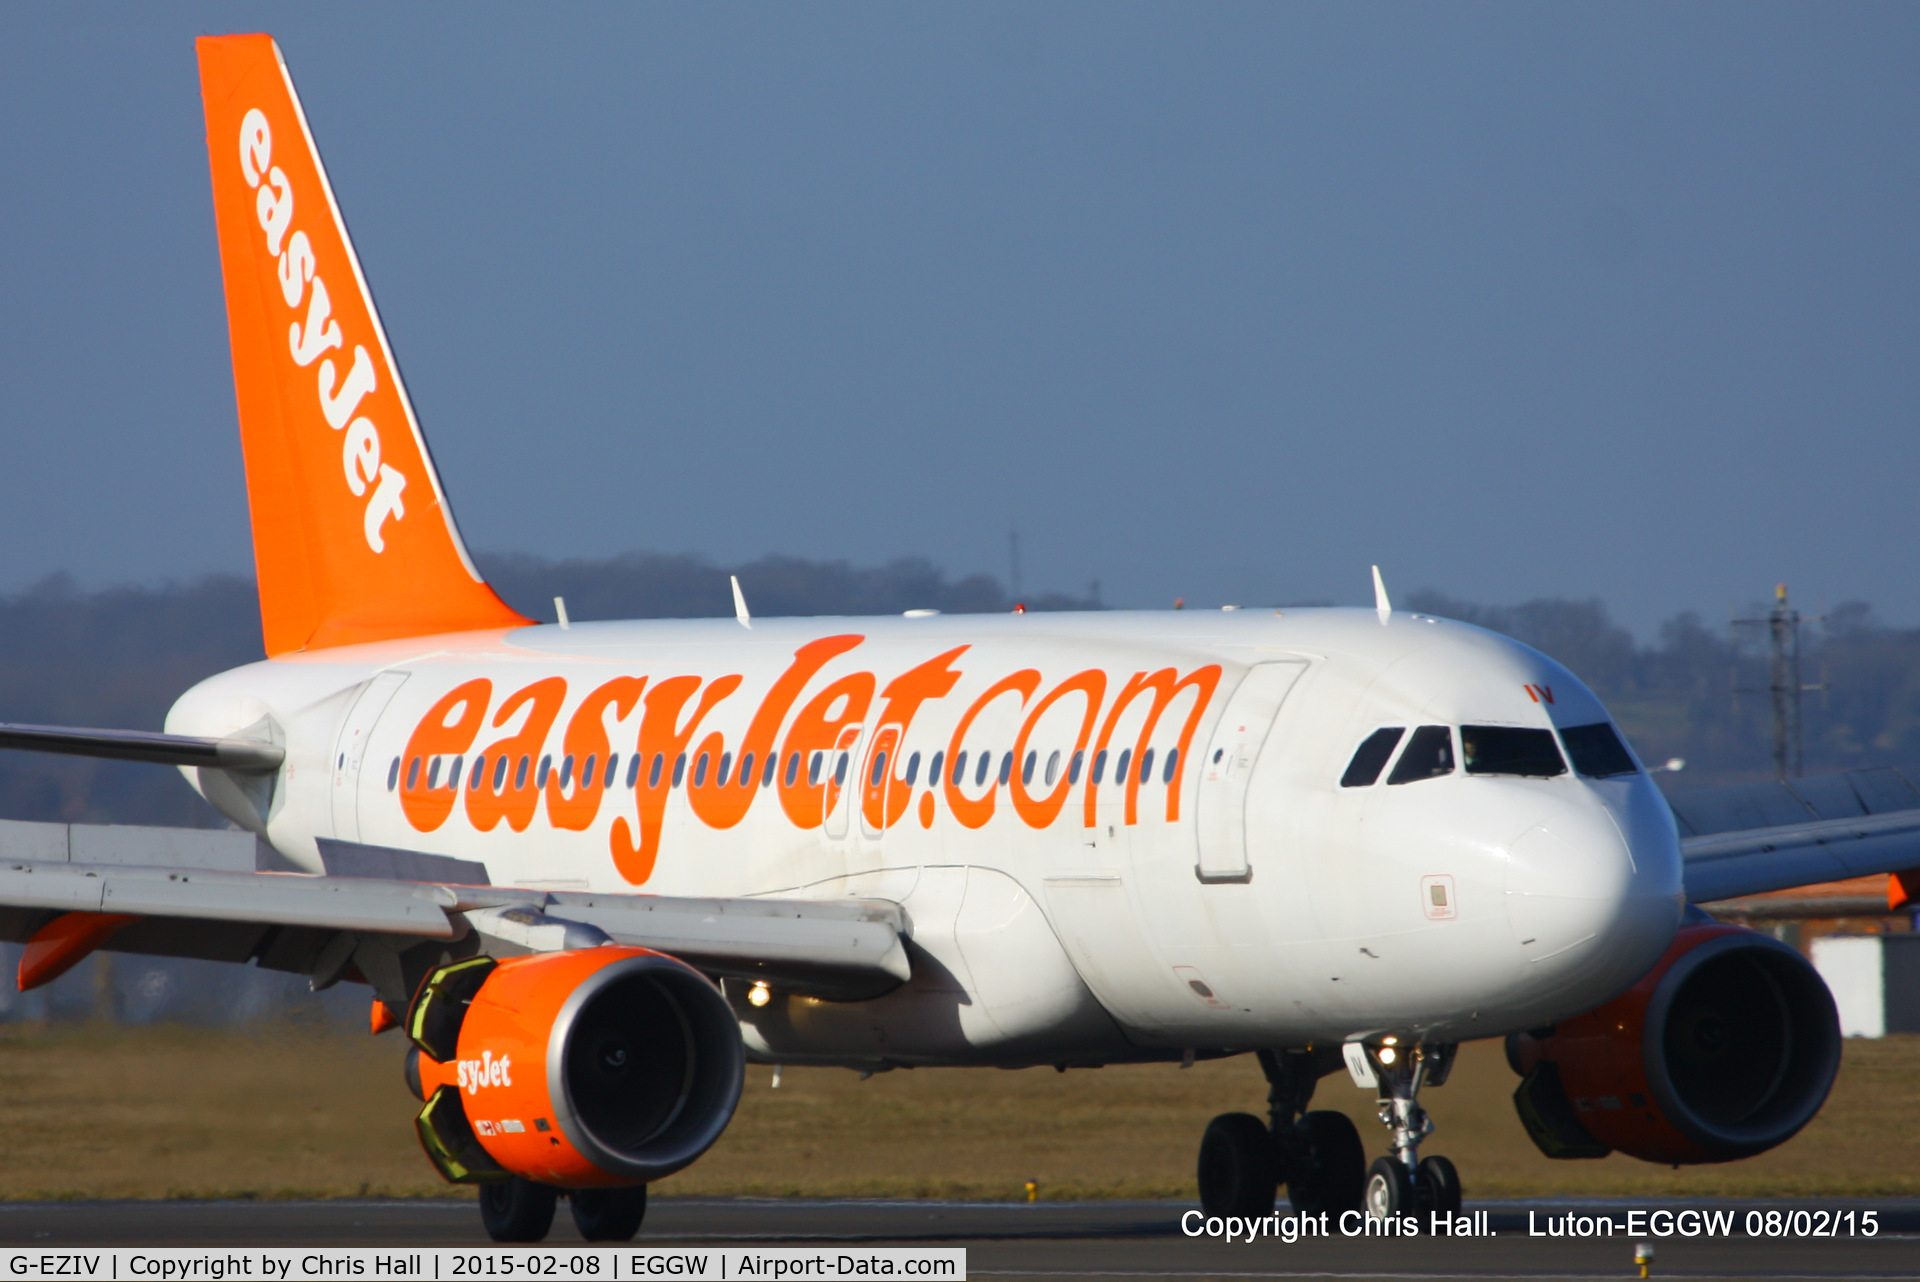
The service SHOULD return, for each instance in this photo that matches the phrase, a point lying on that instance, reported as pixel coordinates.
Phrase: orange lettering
(662, 739)
(448, 729)
(885, 800)
(1165, 684)
(508, 786)
(1041, 811)
(975, 813)
(586, 741)
(723, 802)
(816, 730)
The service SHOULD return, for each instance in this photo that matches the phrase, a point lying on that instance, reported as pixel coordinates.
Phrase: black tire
(1333, 1174)
(1439, 1185)
(609, 1215)
(517, 1210)
(1239, 1171)
(1389, 1190)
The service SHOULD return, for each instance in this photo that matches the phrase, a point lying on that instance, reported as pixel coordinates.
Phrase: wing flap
(282, 899)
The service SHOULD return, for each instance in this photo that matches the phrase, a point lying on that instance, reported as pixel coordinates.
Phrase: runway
(1046, 1239)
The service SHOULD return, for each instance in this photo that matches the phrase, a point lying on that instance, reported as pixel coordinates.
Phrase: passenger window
(986, 764)
(1053, 768)
(1026, 767)
(913, 769)
(1073, 770)
(1510, 750)
(393, 775)
(453, 773)
(746, 770)
(1146, 766)
(1006, 769)
(959, 769)
(633, 770)
(726, 770)
(433, 773)
(566, 772)
(586, 771)
(1597, 751)
(1120, 766)
(1429, 755)
(500, 773)
(773, 764)
(793, 767)
(933, 768)
(700, 771)
(653, 775)
(1099, 767)
(1370, 758)
(679, 768)
(520, 775)
(840, 771)
(1173, 760)
(814, 768)
(546, 768)
(879, 771)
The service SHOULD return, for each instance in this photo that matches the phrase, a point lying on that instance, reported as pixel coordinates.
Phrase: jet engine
(1726, 1048)
(587, 1068)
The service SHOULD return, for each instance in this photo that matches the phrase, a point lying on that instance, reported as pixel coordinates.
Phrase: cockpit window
(1509, 750)
(1371, 757)
(1597, 751)
(1429, 755)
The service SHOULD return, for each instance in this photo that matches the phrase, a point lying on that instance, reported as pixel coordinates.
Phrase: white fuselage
(1236, 897)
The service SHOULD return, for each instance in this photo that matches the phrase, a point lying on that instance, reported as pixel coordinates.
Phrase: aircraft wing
(67, 889)
(1757, 838)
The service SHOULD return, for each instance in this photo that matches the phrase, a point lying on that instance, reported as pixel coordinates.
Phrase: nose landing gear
(1317, 1155)
(1403, 1183)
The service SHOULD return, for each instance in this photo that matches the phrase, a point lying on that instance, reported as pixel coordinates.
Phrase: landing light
(759, 995)
(1387, 1054)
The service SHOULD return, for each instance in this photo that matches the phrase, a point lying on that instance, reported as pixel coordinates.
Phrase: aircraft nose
(1593, 889)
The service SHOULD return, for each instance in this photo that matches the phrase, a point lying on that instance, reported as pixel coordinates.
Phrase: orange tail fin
(352, 537)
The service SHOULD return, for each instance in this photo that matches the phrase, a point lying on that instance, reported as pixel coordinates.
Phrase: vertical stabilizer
(352, 537)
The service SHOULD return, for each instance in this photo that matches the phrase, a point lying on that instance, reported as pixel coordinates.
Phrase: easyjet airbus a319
(592, 870)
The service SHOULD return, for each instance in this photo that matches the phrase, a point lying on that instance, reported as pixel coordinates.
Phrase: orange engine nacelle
(588, 1068)
(1727, 1047)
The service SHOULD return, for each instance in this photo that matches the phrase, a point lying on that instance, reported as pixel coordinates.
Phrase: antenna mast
(1783, 682)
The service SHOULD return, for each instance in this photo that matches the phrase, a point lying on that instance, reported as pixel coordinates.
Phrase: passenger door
(350, 750)
(1227, 768)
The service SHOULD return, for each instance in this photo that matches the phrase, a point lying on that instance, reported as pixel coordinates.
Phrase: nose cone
(1594, 892)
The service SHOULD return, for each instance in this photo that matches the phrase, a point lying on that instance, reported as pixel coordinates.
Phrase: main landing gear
(1317, 1155)
(518, 1210)
(1403, 1183)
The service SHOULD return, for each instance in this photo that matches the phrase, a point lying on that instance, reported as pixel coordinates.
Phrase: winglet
(1381, 606)
(740, 604)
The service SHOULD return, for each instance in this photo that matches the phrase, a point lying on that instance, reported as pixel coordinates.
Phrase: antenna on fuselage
(740, 604)
(1381, 606)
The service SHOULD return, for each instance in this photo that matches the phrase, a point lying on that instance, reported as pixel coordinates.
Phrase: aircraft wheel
(1335, 1164)
(1389, 1189)
(1439, 1185)
(609, 1215)
(517, 1210)
(1239, 1173)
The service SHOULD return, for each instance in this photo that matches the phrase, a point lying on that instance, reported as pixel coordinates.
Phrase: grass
(284, 1111)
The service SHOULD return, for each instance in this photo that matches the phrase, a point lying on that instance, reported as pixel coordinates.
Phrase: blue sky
(1220, 301)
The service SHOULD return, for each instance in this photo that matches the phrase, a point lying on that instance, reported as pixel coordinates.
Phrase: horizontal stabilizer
(142, 745)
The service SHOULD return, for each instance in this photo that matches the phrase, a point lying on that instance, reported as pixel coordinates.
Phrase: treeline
(1682, 694)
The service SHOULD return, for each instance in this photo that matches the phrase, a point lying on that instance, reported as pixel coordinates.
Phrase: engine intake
(584, 1068)
(1724, 1050)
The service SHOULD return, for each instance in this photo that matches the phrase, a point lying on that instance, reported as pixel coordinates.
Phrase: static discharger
(560, 612)
(1381, 606)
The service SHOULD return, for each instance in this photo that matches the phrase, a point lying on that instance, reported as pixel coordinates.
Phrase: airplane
(593, 869)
